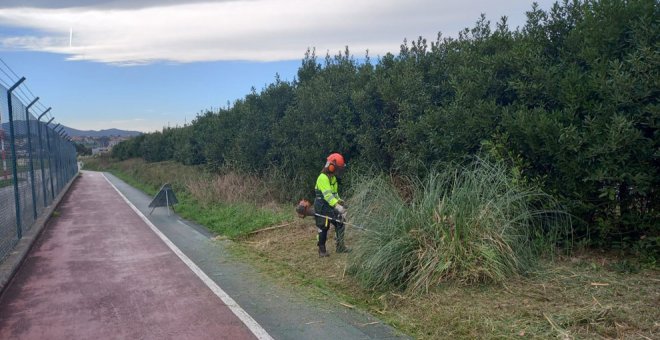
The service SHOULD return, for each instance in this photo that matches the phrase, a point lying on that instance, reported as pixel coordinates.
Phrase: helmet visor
(340, 171)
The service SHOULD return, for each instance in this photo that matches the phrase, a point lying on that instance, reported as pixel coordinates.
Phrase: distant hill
(100, 133)
(84, 133)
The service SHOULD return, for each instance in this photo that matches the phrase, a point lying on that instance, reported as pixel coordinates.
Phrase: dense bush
(569, 101)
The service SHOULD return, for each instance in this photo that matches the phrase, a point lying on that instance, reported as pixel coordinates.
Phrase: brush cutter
(305, 208)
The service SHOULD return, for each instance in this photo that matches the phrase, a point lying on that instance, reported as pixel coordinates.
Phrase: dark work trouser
(323, 223)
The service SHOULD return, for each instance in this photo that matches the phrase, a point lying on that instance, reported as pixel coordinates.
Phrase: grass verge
(231, 220)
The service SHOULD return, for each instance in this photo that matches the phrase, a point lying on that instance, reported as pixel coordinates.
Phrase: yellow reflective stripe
(332, 200)
(330, 197)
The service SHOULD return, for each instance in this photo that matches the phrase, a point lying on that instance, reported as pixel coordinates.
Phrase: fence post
(41, 157)
(60, 165)
(65, 163)
(29, 138)
(73, 164)
(56, 157)
(19, 231)
(50, 162)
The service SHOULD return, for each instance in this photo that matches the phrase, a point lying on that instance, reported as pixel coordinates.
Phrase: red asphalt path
(99, 272)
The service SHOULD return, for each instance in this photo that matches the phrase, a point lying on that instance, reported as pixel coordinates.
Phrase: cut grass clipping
(474, 224)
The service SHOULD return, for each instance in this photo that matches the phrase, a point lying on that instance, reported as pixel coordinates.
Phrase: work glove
(341, 211)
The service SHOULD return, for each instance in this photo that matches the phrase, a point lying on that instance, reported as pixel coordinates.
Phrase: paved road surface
(99, 272)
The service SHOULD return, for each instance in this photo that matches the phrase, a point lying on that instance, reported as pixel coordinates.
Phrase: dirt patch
(295, 246)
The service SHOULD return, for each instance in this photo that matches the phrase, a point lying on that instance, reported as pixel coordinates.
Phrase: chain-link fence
(37, 163)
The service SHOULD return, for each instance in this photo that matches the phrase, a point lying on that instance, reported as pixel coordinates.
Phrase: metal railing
(38, 160)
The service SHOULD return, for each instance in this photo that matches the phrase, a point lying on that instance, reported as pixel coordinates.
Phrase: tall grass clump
(468, 224)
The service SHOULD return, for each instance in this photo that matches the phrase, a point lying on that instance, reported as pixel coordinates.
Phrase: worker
(328, 205)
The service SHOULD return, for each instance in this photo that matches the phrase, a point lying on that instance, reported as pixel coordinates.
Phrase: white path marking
(254, 327)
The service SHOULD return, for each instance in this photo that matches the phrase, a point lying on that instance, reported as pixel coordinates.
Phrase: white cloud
(257, 30)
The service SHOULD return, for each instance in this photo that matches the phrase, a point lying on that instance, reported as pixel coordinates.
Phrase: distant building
(97, 151)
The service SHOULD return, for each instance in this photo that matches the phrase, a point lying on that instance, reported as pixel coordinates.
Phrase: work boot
(323, 252)
(341, 248)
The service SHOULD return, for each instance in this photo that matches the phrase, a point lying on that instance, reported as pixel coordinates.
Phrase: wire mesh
(36, 164)
(8, 234)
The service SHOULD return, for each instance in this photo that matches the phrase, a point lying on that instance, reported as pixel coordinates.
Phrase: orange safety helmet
(335, 162)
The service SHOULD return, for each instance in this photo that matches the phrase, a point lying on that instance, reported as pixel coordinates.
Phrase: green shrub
(466, 224)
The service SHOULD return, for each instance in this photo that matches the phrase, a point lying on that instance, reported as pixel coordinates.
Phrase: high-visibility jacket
(327, 189)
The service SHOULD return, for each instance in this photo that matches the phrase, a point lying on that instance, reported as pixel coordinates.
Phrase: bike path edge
(10, 265)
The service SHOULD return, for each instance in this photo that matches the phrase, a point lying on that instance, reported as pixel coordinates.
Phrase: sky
(146, 64)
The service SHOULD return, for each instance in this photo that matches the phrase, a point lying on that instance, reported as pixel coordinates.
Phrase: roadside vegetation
(505, 183)
(569, 100)
(469, 224)
(587, 295)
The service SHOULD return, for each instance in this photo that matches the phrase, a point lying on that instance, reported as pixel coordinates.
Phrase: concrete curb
(11, 264)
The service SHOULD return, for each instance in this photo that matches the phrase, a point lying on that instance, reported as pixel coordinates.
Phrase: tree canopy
(569, 101)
